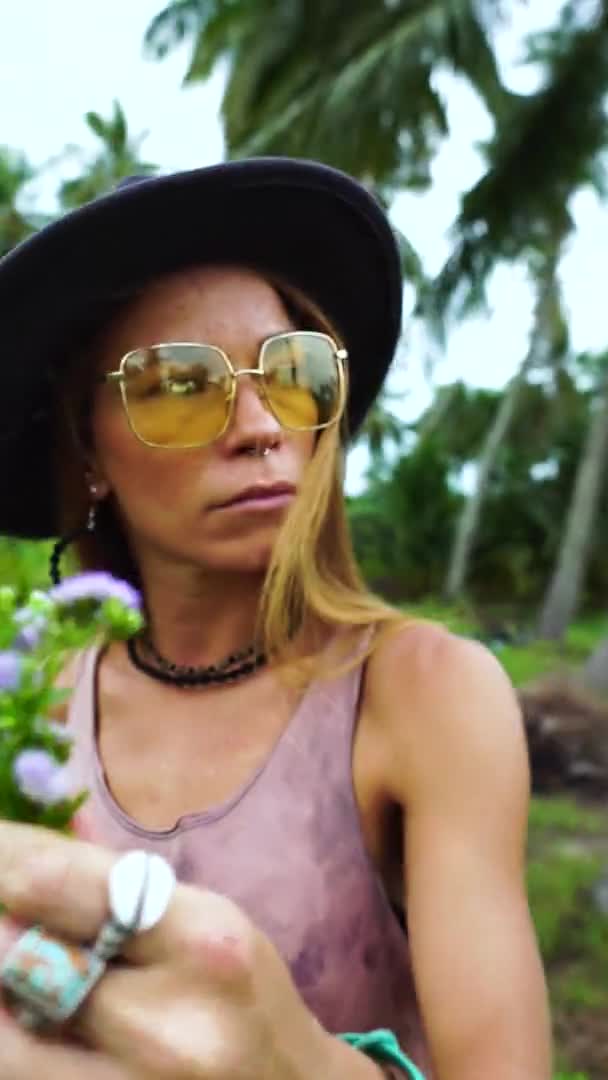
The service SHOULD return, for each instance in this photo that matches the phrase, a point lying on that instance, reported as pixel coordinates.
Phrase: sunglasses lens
(177, 395)
(302, 380)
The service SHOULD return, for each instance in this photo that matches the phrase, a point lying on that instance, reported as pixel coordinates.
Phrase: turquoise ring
(45, 979)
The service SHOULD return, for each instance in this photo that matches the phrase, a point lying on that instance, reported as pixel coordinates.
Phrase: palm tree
(379, 427)
(15, 172)
(551, 144)
(547, 347)
(118, 157)
(358, 91)
(563, 595)
(352, 87)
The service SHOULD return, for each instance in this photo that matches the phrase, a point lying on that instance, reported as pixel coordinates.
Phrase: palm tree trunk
(438, 411)
(563, 595)
(468, 524)
(548, 345)
(595, 672)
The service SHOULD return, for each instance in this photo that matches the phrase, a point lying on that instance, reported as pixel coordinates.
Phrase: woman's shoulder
(428, 659)
(432, 695)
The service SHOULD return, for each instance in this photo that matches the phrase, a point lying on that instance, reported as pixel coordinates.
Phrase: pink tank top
(288, 848)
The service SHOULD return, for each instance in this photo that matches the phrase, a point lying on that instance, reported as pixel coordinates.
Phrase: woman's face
(171, 501)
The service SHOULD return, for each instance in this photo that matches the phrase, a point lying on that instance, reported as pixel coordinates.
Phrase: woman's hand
(201, 996)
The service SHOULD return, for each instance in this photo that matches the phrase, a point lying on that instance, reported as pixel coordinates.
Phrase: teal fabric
(382, 1046)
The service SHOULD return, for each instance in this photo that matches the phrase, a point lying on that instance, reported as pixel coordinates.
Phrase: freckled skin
(166, 496)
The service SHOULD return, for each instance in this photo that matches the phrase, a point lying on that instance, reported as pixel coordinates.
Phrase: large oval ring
(46, 979)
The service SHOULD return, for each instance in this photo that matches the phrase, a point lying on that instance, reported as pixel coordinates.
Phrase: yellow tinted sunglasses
(181, 395)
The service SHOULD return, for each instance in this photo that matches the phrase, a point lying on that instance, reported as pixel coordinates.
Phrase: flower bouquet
(37, 639)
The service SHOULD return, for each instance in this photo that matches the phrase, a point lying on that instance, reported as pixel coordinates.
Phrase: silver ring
(141, 886)
(46, 980)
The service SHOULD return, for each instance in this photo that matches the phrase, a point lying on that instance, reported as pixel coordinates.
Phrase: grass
(527, 662)
(562, 814)
(584, 634)
(564, 863)
(456, 618)
(568, 925)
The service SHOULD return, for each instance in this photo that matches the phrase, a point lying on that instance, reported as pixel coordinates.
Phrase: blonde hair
(313, 586)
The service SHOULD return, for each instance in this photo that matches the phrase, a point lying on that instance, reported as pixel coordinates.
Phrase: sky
(61, 58)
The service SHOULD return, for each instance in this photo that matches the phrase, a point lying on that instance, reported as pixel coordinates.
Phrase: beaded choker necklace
(236, 666)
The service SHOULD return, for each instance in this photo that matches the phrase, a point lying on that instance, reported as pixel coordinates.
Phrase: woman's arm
(457, 762)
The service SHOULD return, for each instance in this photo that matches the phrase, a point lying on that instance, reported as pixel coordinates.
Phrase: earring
(65, 541)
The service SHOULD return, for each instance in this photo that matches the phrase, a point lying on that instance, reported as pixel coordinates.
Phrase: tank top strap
(81, 706)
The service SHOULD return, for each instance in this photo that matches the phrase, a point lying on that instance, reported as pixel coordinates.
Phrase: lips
(259, 493)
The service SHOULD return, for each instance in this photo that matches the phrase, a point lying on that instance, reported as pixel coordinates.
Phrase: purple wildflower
(96, 585)
(11, 665)
(33, 624)
(28, 638)
(40, 777)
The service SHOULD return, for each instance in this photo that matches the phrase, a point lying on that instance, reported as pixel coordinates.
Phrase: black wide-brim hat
(315, 227)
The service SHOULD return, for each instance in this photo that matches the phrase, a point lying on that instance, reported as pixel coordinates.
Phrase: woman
(305, 758)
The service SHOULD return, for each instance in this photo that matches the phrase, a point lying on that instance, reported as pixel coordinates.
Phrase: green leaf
(97, 124)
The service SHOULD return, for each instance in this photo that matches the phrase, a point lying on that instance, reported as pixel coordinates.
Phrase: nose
(252, 421)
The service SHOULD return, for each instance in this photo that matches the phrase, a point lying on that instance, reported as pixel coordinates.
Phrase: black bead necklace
(236, 666)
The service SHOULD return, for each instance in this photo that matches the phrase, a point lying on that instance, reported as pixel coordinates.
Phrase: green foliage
(24, 564)
(522, 201)
(36, 641)
(358, 92)
(400, 533)
(568, 926)
(457, 618)
(380, 426)
(525, 664)
(531, 660)
(361, 94)
(564, 815)
(118, 157)
(568, 844)
(403, 525)
(15, 172)
(585, 634)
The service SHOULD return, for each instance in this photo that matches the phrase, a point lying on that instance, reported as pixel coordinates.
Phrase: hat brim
(313, 226)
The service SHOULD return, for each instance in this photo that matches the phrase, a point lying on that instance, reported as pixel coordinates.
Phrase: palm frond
(118, 157)
(356, 91)
(181, 20)
(15, 172)
(119, 127)
(363, 101)
(550, 145)
(220, 34)
(97, 124)
(379, 427)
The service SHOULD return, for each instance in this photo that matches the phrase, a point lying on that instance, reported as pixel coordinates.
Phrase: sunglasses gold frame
(340, 355)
